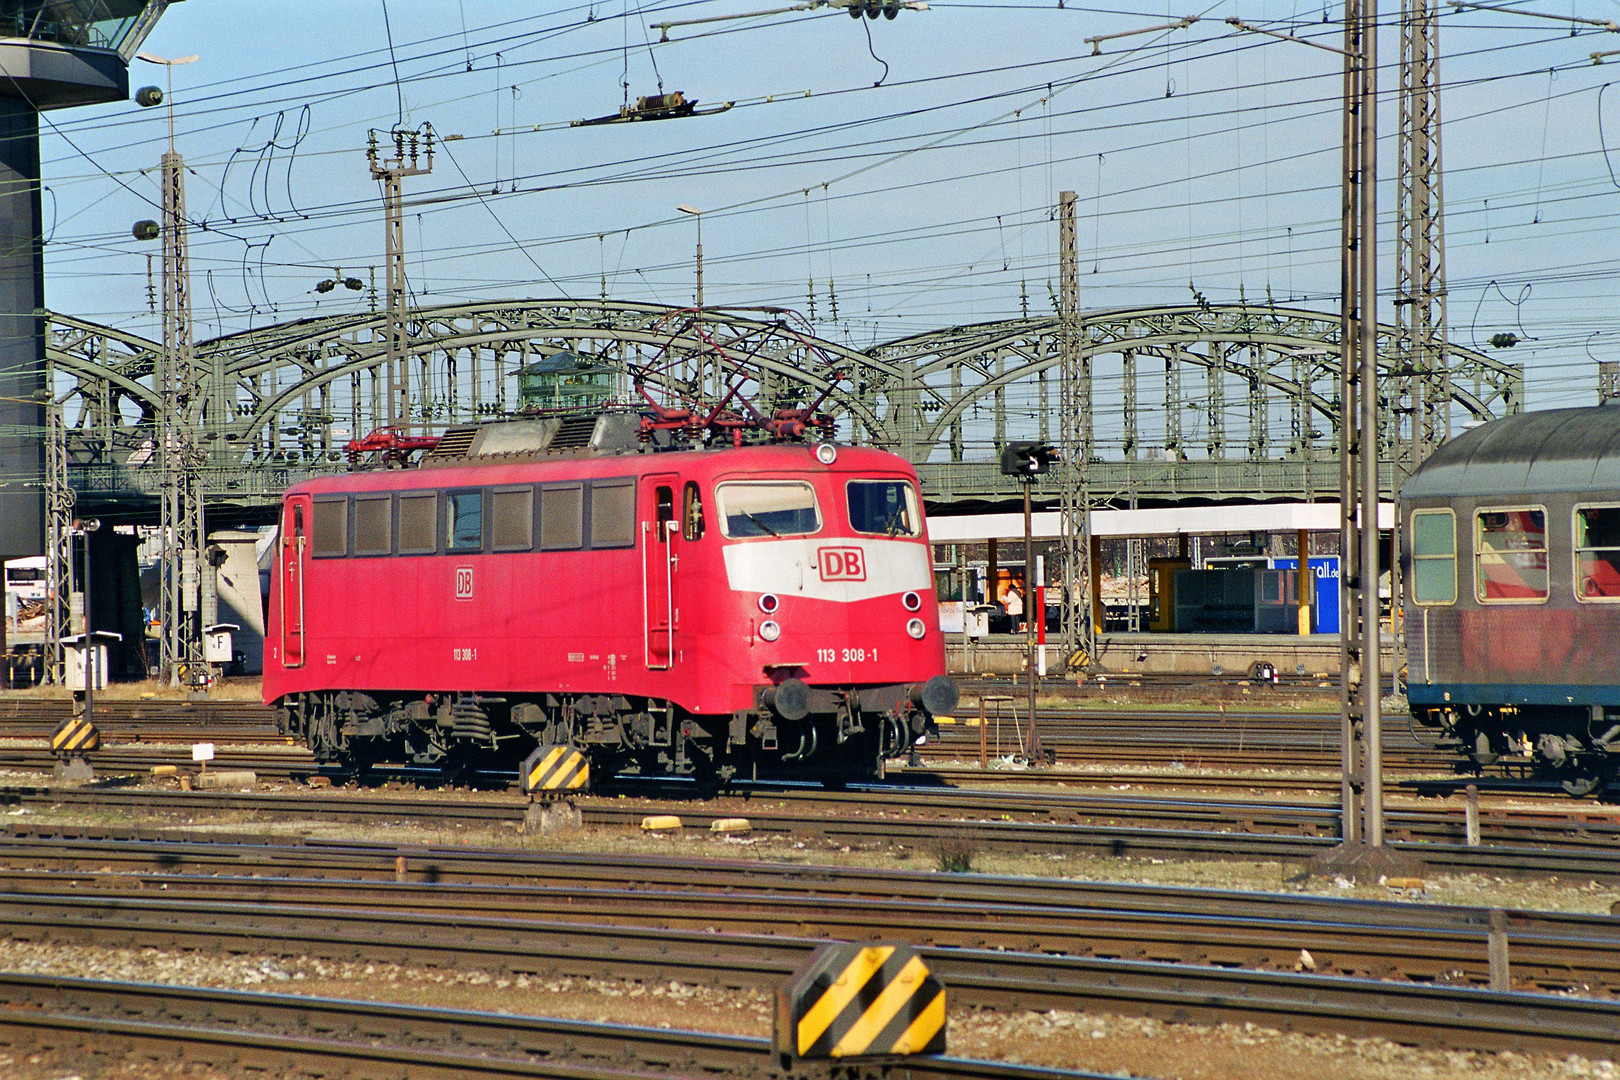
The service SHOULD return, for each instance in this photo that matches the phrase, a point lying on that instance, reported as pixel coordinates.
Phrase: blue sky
(1203, 158)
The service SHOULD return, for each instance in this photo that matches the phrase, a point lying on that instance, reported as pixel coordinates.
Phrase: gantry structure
(1184, 404)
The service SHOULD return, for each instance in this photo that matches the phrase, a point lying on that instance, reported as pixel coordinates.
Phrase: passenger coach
(1511, 545)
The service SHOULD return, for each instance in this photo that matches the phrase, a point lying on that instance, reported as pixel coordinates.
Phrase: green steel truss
(1194, 403)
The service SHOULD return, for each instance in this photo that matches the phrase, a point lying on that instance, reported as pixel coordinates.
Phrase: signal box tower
(52, 55)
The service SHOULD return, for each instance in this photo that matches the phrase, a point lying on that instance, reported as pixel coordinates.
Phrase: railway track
(590, 945)
(1424, 944)
(1577, 841)
(270, 1034)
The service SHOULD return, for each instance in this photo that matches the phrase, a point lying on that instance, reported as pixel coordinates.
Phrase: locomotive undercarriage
(1579, 747)
(794, 732)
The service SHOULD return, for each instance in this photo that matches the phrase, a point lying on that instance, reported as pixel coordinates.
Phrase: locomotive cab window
(884, 507)
(767, 508)
(1434, 557)
(416, 516)
(1510, 554)
(1597, 553)
(464, 521)
(373, 524)
(331, 528)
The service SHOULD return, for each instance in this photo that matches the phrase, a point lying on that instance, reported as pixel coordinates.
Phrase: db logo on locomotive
(464, 582)
(841, 564)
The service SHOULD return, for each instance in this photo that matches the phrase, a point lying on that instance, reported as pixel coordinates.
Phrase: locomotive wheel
(1581, 786)
(1594, 777)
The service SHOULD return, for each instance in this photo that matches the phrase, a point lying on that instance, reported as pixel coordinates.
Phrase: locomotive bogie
(753, 611)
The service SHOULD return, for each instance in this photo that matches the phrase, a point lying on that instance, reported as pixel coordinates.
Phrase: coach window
(884, 507)
(464, 520)
(1597, 552)
(613, 514)
(331, 528)
(1434, 557)
(1510, 554)
(511, 519)
(692, 512)
(416, 518)
(562, 517)
(373, 525)
(767, 508)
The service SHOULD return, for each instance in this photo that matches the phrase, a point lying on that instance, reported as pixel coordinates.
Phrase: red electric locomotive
(752, 611)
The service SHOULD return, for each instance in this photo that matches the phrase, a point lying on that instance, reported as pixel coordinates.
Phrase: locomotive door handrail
(658, 559)
(294, 544)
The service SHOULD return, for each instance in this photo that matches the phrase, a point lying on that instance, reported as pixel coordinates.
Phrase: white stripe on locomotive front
(791, 566)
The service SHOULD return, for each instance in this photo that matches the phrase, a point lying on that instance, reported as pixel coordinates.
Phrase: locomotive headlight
(768, 603)
(916, 629)
(770, 630)
(911, 602)
(826, 453)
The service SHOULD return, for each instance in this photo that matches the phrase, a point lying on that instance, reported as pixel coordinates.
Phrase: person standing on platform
(1014, 603)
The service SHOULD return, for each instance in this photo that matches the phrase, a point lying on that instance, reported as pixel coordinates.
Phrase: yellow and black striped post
(75, 736)
(555, 769)
(861, 1001)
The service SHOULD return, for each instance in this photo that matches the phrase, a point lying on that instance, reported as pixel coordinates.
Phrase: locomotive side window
(373, 524)
(562, 512)
(767, 508)
(1434, 557)
(613, 514)
(884, 507)
(512, 519)
(1597, 552)
(464, 520)
(416, 520)
(331, 528)
(1510, 554)
(692, 512)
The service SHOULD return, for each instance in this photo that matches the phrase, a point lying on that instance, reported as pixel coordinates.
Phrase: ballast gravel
(1122, 1046)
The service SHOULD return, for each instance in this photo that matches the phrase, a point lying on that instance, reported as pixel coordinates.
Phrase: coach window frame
(547, 543)
(316, 530)
(1577, 576)
(1414, 530)
(414, 497)
(446, 525)
(692, 523)
(1478, 553)
(386, 499)
(610, 488)
(531, 518)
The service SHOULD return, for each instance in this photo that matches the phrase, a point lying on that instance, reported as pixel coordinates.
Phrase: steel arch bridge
(1193, 403)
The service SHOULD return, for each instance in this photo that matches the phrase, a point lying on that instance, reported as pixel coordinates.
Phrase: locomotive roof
(793, 457)
(1553, 450)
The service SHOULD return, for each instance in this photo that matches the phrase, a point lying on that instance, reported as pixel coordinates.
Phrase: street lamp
(145, 97)
(695, 212)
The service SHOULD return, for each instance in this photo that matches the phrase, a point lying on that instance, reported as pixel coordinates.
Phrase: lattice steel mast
(1074, 397)
(413, 156)
(1420, 250)
(180, 423)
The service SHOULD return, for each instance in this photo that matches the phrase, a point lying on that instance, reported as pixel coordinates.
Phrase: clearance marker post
(860, 1001)
(553, 769)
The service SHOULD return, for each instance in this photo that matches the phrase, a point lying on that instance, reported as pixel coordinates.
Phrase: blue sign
(1325, 616)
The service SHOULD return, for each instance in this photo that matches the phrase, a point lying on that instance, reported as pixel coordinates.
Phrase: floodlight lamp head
(683, 208)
